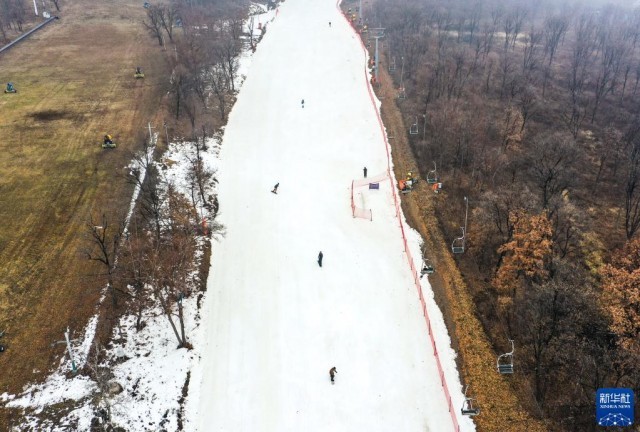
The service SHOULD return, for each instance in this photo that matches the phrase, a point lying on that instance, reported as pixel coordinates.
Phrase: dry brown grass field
(75, 83)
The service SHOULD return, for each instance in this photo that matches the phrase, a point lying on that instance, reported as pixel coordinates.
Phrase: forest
(528, 113)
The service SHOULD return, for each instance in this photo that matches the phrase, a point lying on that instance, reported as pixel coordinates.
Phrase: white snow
(274, 322)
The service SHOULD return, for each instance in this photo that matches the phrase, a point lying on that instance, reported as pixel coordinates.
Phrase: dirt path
(75, 83)
(501, 409)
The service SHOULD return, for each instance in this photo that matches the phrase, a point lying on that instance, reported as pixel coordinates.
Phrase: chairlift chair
(457, 246)
(392, 65)
(504, 363)
(432, 176)
(402, 95)
(426, 268)
(414, 128)
(467, 405)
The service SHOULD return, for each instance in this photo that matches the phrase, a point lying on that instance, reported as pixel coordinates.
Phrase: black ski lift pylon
(457, 246)
(413, 130)
(467, 405)
(432, 176)
(504, 363)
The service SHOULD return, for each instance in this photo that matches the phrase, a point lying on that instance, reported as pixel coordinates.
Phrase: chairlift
(402, 95)
(457, 246)
(432, 176)
(413, 130)
(426, 268)
(504, 363)
(392, 65)
(467, 405)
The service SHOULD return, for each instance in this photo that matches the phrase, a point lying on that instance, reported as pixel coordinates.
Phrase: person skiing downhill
(302, 103)
(332, 374)
(320, 255)
(275, 188)
(364, 170)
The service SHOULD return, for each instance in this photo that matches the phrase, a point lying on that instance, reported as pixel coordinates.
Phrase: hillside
(75, 83)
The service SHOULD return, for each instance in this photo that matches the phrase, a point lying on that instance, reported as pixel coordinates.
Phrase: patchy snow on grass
(146, 363)
(152, 372)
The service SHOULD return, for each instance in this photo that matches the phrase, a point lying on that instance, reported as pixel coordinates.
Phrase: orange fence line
(412, 267)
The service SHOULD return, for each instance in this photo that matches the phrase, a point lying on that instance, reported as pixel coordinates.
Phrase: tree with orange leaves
(621, 286)
(526, 255)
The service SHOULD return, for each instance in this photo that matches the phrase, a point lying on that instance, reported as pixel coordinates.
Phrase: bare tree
(530, 58)
(583, 51)
(199, 175)
(227, 50)
(133, 259)
(508, 27)
(153, 23)
(528, 103)
(539, 312)
(102, 375)
(614, 50)
(519, 15)
(167, 17)
(105, 242)
(506, 71)
(250, 30)
(218, 79)
(551, 157)
(554, 30)
(170, 263)
(151, 197)
(632, 185)
(474, 20)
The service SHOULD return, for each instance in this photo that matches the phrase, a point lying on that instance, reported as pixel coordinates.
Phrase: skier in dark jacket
(364, 170)
(275, 188)
(332, 374)
(320, 255)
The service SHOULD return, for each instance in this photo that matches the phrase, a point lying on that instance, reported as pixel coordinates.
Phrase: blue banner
(614, 407)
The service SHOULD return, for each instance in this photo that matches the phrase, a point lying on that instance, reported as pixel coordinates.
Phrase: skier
(365, 172)
(320, 255)
(329, 23)
(332, 374)
(302, 103)
(275, 188)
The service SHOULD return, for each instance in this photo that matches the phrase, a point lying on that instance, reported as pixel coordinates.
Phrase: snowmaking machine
(108, 142)
(10, 88)
(407, 185)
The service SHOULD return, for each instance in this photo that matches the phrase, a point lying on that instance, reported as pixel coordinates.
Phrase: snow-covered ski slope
(274, 322)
